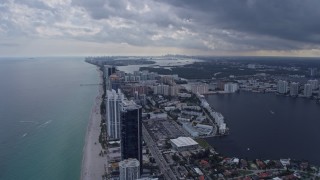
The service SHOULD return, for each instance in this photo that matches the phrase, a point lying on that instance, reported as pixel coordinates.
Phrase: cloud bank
(173, 26)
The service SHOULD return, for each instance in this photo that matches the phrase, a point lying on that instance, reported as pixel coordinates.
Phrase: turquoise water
(43, 116)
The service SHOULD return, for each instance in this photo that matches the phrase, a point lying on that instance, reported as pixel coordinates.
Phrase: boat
(272, 112)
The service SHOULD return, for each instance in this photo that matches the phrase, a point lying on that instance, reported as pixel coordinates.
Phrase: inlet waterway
(267, 126)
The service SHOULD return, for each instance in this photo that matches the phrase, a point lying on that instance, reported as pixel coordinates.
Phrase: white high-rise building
(166, 90)
(200, 88)
(113, 113)
(313, 72)
(294, 89)
(282, 87)
(161, 89)
(174, 90)
(307, 92)
(230, 87)
(129, 169)
(314, 84)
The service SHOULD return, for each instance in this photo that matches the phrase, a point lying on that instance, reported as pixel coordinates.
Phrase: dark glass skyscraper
(109, 70)
(131, 131)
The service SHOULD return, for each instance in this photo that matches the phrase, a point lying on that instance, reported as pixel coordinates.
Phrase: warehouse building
(184, 144)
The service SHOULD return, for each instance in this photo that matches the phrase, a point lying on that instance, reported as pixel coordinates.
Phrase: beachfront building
(166, 90)
(189, 128)
(197, 130)
(294, 89)
(129, 169)
(282, 87)
(313, 72)
(174, 90)
(184, 144)
(161, 89)
(307, 92)
(131, 131)
(113, 113)
(231, 87)
(218, 117)
(168, 79)
(314, 84)
(140, 76)
(200, 88)
(108, 70)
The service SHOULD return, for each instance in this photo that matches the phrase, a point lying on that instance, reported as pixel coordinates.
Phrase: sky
(159, 27)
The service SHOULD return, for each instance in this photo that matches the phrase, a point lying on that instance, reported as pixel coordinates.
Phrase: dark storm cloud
(219, 24)
(102, 9)
(296, 20)
(206, 25)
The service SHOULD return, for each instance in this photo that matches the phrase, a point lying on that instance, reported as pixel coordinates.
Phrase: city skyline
(151, 27)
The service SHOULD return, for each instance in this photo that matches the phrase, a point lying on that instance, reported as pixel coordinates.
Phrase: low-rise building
(129, 169)
(184, 95)
(184, 144)
(155, 116)
(192, 131)
(170, 108)
(285, 162)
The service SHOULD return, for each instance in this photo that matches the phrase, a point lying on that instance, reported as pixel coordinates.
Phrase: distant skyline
(159, 27)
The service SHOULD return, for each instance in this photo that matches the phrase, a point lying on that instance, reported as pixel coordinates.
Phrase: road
(215, 129)
(155, 152)
(256, 172)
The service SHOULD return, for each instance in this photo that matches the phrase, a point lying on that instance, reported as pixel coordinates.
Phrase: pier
(90, 84)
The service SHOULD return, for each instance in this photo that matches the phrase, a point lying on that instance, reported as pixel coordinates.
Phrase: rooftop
(183, 141)
(129, 105)
(129, 163)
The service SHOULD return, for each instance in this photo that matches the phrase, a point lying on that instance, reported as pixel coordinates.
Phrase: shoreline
(93, 165)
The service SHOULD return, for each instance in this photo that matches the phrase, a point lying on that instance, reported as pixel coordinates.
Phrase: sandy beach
(93, 165)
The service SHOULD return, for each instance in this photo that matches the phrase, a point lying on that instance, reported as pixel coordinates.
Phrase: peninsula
(176, 118)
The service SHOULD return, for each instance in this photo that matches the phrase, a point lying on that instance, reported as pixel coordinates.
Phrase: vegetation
(245, 172)
(203, 143)
(102, 135)
(176, 158)
(193, 100)
(209, 68)
(168, 145)
(201, 155)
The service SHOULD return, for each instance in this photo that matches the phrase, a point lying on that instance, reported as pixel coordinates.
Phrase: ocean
(268, 126)
(44, 114)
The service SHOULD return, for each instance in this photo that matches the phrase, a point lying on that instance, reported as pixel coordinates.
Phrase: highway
(155, 152)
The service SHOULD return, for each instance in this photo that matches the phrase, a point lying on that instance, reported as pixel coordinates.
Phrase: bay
(267, 126)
